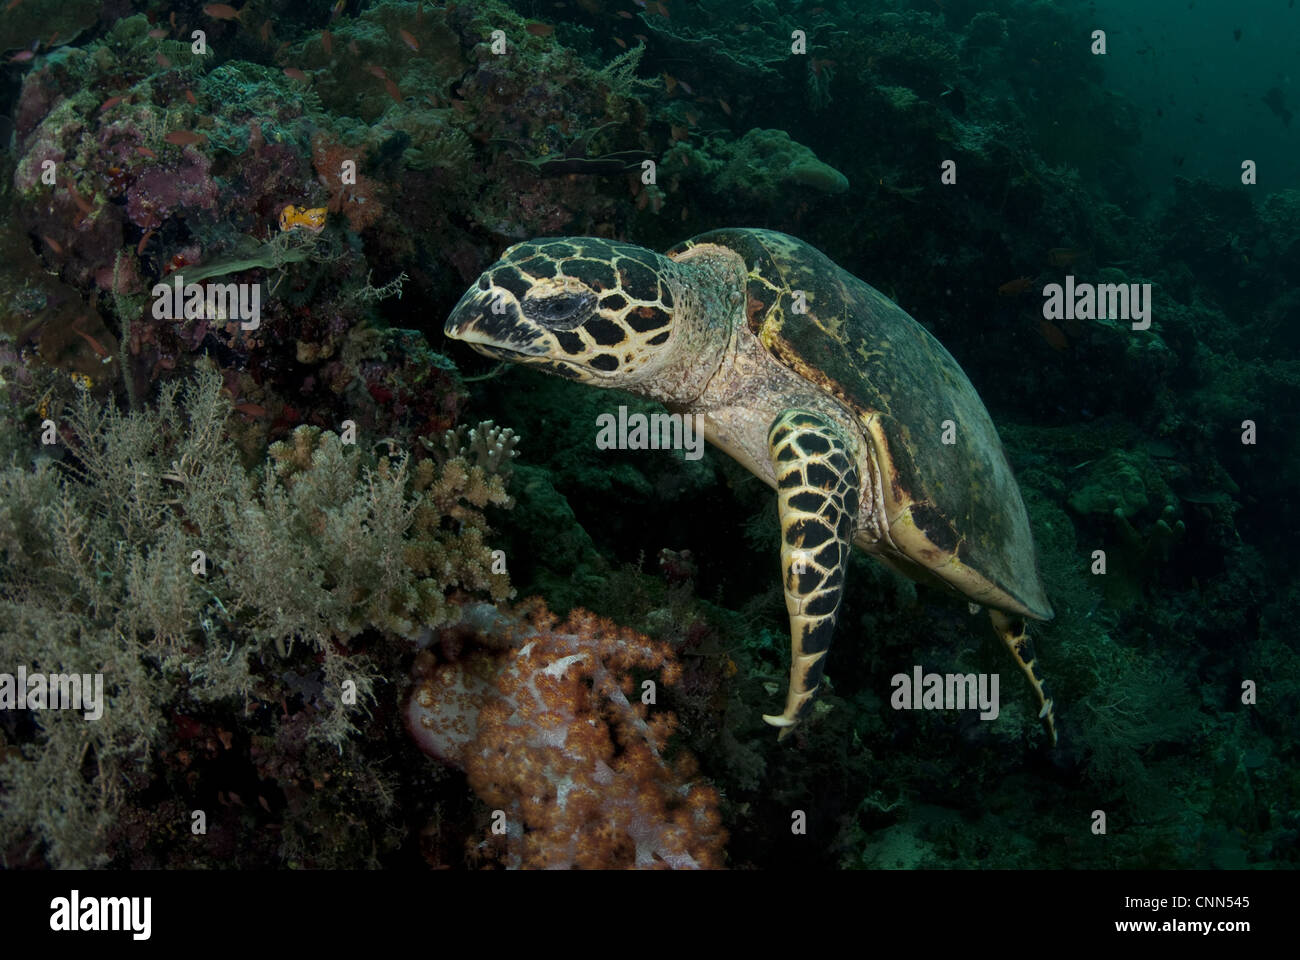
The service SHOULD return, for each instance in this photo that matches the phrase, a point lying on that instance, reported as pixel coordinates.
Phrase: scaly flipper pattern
(1012, 632)
(817, 494)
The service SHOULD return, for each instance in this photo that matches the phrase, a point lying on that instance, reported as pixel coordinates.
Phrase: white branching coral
(485, 445)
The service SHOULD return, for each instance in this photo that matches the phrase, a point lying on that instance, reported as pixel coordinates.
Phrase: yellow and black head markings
(584, 308)
(783, 352)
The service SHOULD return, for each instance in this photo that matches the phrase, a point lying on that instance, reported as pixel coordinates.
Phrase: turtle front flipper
(1012, 632)
(817, 493)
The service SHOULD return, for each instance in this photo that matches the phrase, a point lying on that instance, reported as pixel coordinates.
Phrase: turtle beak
(490, 322)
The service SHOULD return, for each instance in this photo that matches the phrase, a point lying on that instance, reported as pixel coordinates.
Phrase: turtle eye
(561, 311)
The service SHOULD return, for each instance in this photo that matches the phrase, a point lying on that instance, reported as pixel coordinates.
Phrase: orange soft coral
(545, 733)
(359, 201)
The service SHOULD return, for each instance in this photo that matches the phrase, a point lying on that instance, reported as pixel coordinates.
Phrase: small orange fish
(293, 73)
(621, 42)
(540, 29)
(94, 344)
(670, 82)
(109, 104)
(327, 42)
(250, 410)
(146, 152)
(163, 61)
(459, 105)
(313, 219)
(189, 95)
(409, 40)
(692, 118)
(82, 204)
(625, 14)
(376, 71)
(1053, 335)
(183, 138)
(54, 36)
(265, 31)
(1013, 288)
(53, 245)
(144, 241)
(687, 87)
(725, 107)
(393, 90)
(157, 33)
(221, 11)
(22, 56)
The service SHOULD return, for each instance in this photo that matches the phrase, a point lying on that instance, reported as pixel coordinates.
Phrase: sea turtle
(820, 385)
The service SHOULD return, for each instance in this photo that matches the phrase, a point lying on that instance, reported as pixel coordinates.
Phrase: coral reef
(760, 168)
(194, 585)
(538, 715)
(430, 146)
(56, 25)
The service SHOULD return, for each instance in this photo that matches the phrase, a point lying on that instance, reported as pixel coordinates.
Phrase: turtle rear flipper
(817, 493)
(1012, 632)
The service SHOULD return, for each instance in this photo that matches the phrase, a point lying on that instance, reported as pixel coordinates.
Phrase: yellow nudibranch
(313, 219)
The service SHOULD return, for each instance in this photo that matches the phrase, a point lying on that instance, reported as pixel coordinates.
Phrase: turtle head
(583, 308)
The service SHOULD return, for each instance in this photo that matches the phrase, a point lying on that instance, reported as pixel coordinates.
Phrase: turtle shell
(953, 510)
